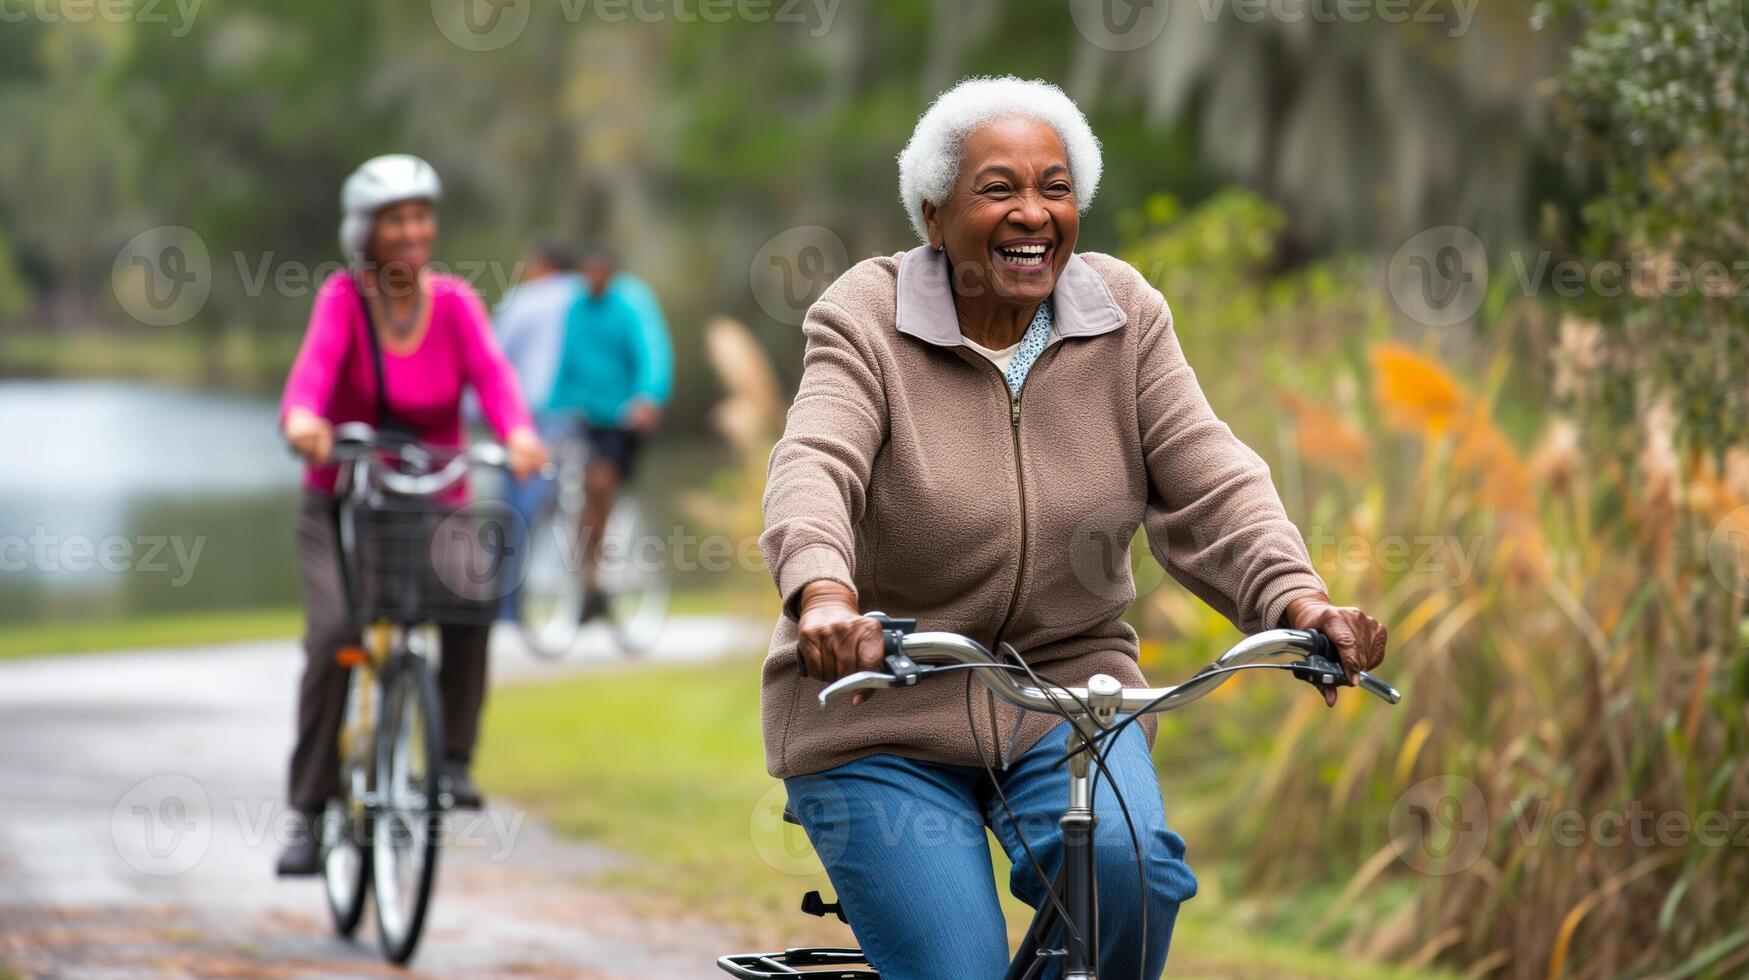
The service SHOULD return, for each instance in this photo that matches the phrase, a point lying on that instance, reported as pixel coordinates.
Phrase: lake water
(118, 499)
(123, 498)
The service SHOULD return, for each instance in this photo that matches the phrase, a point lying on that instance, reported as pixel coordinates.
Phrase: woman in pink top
(435, 340)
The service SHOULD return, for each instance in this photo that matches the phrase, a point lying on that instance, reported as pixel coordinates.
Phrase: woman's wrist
(295, 415)
(825, 593)
(1302, 610)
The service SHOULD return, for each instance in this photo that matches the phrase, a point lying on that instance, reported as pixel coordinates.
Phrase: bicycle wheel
(549, 608)
(344, 826)
(409, 816)
(634, 577)
(345, 866)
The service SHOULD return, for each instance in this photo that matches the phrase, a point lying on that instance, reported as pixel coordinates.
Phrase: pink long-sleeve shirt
(334, 378)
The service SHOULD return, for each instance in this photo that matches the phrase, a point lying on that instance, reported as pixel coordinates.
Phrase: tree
(1657, 95)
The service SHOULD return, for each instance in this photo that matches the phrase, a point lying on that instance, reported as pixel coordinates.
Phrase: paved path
(139, 801)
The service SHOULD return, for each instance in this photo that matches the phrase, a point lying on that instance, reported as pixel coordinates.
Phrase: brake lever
(1385, 692)
(862, 680)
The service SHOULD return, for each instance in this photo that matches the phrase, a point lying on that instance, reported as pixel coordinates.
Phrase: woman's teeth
(1023, 254)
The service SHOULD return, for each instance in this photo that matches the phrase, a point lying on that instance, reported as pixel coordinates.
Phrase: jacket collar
(1082, 306)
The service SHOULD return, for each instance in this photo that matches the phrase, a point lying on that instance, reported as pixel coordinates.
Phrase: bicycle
(381, 835)
(549, 607)
(1072, 906)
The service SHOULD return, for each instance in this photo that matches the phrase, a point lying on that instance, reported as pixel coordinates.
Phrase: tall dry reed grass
(1565, 790)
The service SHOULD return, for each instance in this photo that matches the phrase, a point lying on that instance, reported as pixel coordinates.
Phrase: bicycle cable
(1199, 679)
(1123, 807)
(1099, 762)
(1002, 797)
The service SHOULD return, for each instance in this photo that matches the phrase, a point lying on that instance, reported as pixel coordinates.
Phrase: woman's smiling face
(403, 236)
(1009, 227)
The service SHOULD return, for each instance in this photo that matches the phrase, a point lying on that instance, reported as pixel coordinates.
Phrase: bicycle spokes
(408, 815)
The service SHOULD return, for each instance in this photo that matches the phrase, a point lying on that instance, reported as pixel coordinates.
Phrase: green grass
(225, 626)
(158, 630)
(722, 602)
(665, 765)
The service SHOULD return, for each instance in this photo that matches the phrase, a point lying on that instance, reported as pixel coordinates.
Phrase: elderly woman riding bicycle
(394, 343)
(974, 415)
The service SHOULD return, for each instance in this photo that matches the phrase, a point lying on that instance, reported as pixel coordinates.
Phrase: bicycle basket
(416, 561)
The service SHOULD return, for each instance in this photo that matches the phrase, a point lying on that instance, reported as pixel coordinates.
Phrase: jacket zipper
(1014, 400)
(1020, 485)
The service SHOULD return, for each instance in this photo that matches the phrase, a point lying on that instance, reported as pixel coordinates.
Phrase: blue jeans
(904, 844)
(529, 499)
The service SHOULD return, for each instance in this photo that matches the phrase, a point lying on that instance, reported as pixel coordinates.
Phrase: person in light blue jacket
(615, 374)
(530, 323)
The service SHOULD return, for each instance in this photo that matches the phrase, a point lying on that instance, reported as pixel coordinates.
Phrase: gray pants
(461, 678)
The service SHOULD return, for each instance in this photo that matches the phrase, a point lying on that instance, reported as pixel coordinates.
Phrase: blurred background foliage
(1566, 471)
(689, 143)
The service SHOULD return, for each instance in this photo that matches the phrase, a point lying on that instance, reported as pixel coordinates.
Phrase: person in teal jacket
(615, 374)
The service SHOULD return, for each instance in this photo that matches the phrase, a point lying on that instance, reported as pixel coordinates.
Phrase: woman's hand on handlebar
(527, 453)
(836, 639)
(310, 435)
(1359, 638)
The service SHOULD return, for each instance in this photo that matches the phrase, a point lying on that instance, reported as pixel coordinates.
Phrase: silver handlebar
(357, 441)
(1102, 693)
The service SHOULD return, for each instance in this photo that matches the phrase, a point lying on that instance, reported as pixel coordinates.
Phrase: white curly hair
(929, 164)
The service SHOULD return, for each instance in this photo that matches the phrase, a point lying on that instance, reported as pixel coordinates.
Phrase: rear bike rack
(776, 966)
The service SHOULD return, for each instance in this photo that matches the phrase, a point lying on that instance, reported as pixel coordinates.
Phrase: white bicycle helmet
(376, 184)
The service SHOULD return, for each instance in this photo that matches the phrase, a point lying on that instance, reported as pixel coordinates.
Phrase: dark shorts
(618, 446)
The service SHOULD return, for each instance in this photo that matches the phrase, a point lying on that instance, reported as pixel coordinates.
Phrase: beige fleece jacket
(909, 473)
